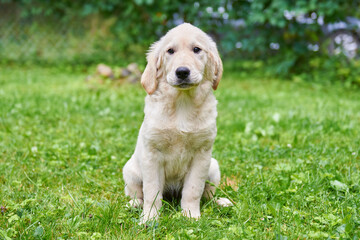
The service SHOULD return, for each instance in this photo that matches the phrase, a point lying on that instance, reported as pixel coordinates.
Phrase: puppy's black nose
(182, 72)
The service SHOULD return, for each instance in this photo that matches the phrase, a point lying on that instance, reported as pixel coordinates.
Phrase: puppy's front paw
(135, 203)
(191, 214)
(224, 202)
(147, 219)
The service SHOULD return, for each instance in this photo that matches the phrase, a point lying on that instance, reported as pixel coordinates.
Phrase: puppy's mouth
(185, 85)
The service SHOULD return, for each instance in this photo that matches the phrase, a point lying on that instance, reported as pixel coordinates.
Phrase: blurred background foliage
(286, 38)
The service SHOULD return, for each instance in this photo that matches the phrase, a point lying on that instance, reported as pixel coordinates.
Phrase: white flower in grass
(276, 117)
(34, 149)
(289, 145)
(354, 153)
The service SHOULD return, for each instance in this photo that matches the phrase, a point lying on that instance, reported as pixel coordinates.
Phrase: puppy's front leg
(153, 184)
(194, 184)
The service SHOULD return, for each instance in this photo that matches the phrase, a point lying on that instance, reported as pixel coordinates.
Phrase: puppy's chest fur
(178, 149)
(181, 134)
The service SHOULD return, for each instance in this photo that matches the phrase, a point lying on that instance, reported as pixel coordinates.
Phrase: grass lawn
(288, 151)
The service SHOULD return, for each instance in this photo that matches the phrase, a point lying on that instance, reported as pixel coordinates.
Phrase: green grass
(289, 155)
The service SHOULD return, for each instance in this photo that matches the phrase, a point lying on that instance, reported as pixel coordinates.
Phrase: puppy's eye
(196, 49)
(170, 51)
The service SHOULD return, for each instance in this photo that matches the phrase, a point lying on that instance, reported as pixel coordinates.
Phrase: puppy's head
(185, 57)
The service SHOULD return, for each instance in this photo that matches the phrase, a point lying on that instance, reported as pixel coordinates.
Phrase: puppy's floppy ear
(216, 65)
(149, 78)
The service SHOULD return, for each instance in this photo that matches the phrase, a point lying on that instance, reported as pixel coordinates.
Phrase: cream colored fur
(173, 150)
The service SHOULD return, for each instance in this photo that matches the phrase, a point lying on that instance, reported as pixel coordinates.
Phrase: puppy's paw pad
(135, 203)
(224, 202)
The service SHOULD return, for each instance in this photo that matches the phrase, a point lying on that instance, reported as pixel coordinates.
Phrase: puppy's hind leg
(133, 184)
(214, 179)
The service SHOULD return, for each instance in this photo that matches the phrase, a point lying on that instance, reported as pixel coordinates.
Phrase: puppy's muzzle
(183, 81)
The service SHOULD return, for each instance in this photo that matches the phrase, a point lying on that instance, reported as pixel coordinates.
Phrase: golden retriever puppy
(173, 150)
